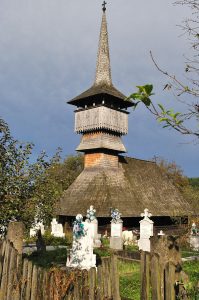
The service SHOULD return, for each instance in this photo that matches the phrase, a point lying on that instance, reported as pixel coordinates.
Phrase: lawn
(48, 259)
(129, 273)
(191, 268)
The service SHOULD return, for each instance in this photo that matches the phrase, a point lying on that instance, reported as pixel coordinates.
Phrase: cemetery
(149, 265)
(121, 230)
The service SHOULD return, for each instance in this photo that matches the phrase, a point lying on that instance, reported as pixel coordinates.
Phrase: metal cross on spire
(104, 6)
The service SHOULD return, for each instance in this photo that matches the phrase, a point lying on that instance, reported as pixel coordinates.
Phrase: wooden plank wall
(21, 280)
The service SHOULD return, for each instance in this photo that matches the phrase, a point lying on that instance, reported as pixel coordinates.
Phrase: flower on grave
(78, 227)
(115, 215)
(194, 230)
(91, 214)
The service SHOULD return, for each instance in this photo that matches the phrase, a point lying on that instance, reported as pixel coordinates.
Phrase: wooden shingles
(131, 188)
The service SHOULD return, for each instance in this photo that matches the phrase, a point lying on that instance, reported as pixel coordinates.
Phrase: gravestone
(194, 237)
(93, 224)
(15, 235)
(81, 255)
(57, 229)
(36, 227)
(146, 231)
(116, 240)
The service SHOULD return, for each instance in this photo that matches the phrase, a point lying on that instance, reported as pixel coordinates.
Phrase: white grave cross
(146, 231)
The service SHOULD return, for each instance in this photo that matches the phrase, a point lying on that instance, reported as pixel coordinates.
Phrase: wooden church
(110, 180)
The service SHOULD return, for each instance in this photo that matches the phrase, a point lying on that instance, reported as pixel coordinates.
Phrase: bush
(51, 240)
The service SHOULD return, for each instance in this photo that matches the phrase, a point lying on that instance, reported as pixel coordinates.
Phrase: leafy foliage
(17, 178)
(31, 189)
(175, 173)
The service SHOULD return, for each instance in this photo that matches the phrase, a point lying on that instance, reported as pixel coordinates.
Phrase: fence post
(100, 288)
(115, 278)
(170, 281)
(15, 235)
(2, 253)
(11, 272)
(92, 283)
(145, 275)
(155, 277)
(5, 271)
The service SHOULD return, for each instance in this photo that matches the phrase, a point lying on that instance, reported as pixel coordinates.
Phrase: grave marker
(116, 240)
(146, 231)
(81, 255)
(57, 229)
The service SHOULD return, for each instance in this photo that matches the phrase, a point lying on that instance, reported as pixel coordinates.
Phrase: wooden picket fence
(157, 284)
(161, 270)
(21, 280)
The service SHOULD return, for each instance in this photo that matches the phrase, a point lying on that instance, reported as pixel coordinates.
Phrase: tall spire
(103, 70)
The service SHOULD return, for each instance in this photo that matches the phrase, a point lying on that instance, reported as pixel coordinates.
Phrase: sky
(48, 53)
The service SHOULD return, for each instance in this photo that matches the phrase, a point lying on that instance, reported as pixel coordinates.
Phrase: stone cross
(146, 214)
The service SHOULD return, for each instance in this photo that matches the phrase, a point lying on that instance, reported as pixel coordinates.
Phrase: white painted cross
(146, 214)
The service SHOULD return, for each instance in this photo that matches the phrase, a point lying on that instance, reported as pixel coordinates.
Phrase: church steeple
(101, 116)
(103, 69)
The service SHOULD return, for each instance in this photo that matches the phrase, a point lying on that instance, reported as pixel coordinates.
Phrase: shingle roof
(131, 188)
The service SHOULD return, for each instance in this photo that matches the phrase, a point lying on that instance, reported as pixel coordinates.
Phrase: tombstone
(57, 229)
(116, 240)
(15, 235)
(36, 227)
(194, 237)
(161, 233)
(93, 224)
(81, 255)
(146, 231)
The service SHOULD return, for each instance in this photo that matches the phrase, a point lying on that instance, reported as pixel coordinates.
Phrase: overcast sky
(48, 54)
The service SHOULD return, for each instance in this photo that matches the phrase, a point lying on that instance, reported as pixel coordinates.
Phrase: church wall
(100, 160)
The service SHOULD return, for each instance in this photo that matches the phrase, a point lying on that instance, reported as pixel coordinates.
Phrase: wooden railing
(20, 279)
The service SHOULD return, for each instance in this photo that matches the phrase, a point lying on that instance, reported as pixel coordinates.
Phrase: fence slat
(34, 283)
(45, 283)
(6, 261)
(155, 278)
(145, 275)
(115, 278)
(170, 281)
(100, 286)
(11, 273)
(92, 283)
(2, 253)
(29, 281)
(105, 277)
(24, 278)
(85, 285)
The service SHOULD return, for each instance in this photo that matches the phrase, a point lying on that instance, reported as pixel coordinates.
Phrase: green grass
(191, 268)
(49, 258)
(129, 273)
(187, 253)
(102, 252)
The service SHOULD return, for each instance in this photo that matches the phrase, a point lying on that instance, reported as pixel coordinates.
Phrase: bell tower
(101, 116)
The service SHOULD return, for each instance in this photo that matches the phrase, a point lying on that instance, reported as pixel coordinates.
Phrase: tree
(188, 187)
(18, 178)
(186, 92)
(29, 190)
(50, 186)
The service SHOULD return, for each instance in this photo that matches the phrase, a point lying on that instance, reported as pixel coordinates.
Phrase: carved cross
(104, 6)
(146, 214)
